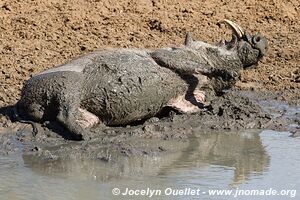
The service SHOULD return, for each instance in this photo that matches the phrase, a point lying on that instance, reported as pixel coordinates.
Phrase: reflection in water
(243, 152)
(208, 161)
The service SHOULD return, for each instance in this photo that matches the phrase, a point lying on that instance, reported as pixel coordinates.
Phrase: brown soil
(36, 35)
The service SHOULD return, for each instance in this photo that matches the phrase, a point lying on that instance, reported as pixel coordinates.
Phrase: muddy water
(247, 160)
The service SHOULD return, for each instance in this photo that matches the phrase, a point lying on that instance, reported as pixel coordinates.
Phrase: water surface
(249, 160)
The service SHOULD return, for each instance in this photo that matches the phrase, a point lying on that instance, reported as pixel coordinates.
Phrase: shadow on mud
(7, 111)
(13, 115)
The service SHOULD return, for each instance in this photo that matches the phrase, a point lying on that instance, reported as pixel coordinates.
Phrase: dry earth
(36, 35)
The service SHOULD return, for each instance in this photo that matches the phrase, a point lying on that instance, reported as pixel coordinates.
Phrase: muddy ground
(37, 35)
(233, 112)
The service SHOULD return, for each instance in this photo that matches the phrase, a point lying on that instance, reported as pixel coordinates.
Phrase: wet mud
(232, 112)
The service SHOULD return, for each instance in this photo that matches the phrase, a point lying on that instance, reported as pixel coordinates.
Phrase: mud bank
(36, 35)
(232, 112)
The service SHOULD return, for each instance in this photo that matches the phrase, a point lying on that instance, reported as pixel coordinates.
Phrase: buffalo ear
(188, 39)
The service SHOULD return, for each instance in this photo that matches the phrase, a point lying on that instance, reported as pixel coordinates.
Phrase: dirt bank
(36, 35)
